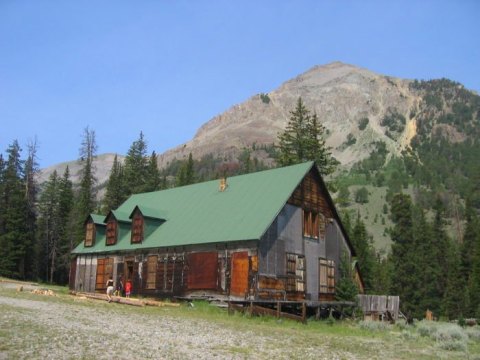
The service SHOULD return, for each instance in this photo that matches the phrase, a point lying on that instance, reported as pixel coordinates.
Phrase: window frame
(314, 225)
(326, 277)
(138, 228)
(310, 224)
(296, 271)
(151, 280)
(111, 226)
(90, 229)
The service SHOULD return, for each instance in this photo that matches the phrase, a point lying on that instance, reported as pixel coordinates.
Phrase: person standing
(109, 289)
(128, 288)
(119, 290)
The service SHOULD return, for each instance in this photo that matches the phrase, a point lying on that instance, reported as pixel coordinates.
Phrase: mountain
(103, 163)
(389, 135)
(341, 94)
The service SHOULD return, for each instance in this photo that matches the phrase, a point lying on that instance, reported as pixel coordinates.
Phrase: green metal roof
(98, 219)
(119, 215)
(151, 213)
(200, 213)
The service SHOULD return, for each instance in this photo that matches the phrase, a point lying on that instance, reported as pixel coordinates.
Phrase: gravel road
(89, 329)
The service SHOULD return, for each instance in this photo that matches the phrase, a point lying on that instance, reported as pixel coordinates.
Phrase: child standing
(128, 288)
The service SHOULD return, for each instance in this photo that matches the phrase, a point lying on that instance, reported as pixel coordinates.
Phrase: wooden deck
(294, 310)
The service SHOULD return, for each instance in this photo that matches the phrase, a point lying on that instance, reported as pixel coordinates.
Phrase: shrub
(401, 324)
(265, 98)
(447, 332)
(473, 333)
(361, 196)
(408, 335)
(350, 140)
(426, 328)
(447, 336)
(452, 345)
(374, 325)
(363, 123)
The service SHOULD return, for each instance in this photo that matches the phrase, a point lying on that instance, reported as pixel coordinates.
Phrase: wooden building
(270, 235)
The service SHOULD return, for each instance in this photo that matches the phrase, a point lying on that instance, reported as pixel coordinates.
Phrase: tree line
(40, 224)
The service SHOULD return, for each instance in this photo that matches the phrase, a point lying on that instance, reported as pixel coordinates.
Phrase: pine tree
(85, 200)
(430, 292)
(347, 222)
(454, 297)
(439, 252)
(66, 241)
(153, 181)
(303, 140)
(474, 283)
(346, 288)
(49, 226)
(2, 195)
(343, 197)
(31, 191)
(405, 262)
(245, 161)
(472, 279)
(317, 149)
(365, 253)
(54, 235)
(135, 170)
(115, 193)
(186, 174)
(14, 239)
(382, 274)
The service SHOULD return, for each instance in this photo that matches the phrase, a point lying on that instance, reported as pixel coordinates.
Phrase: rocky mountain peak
(341, 95)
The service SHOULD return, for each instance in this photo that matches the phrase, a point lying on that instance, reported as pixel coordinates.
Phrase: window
(313, 225)
(295, 272)
(152, 271)
(112, 230)
(322, 226)
(137, 228)
(310, 224)
(90, 234)
(327, 276)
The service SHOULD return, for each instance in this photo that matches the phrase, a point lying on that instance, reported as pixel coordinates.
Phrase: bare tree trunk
(52, 266)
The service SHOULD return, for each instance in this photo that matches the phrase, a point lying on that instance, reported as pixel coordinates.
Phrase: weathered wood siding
(271, 252)
(286, 236)
(309, 195)
(215, 268)
(335, 245)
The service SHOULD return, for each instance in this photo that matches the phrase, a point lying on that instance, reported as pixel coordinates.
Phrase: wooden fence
(379, 307)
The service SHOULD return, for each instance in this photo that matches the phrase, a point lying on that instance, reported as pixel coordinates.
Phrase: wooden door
(239, 280)
(203, 271)
(104, 271)
(100, 282)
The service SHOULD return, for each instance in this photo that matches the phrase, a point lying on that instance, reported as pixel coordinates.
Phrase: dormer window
(112, 231)
(137, 227)
(90, 233)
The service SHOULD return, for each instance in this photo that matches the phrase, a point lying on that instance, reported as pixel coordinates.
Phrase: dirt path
(38, 327)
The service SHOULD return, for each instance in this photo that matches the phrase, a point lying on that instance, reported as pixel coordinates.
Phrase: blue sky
(167, 67)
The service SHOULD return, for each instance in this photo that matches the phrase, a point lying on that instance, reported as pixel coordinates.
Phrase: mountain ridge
(342, 95)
